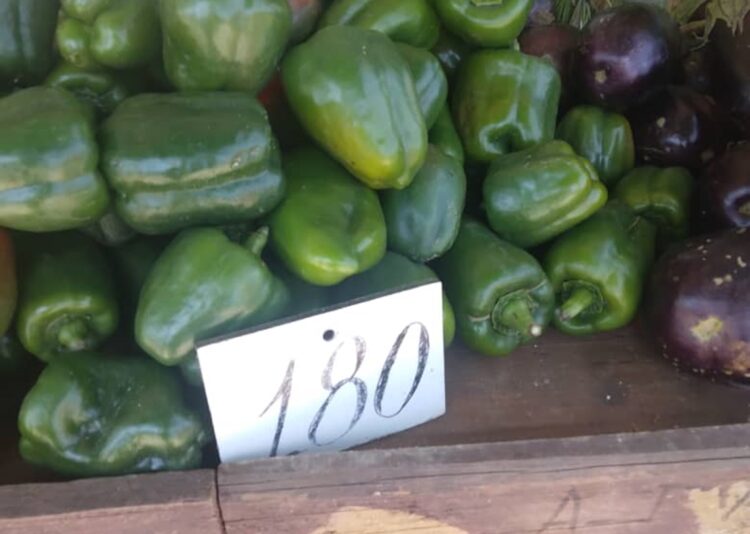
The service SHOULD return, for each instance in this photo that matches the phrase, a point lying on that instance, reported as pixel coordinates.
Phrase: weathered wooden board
(163, 503)
(566, 386)
(685, 481)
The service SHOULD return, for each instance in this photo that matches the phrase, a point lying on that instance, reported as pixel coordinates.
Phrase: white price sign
(330, 381)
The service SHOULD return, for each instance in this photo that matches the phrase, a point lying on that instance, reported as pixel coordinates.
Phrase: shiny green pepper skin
(355, 96)
(329, 227)
(505, 101)
(429, 81)
(451, 52)
(49, 162)
(405, 21)
(500, 294)
(203, 285)
(230, 45)
(444, 137)
(598, 270)
(604, 138)
(96, 415)
(423, 219)
(102, 89)
(119, 34)
(27, 34)
(180, 160)
(662, 196)
(536, 194)
(486, 23)
(67, 299)
(395, 272)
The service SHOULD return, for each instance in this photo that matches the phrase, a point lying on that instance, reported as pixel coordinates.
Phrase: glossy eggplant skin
(556, 43)
(698, 307)
(731, 76)
(726, 189)
(626, 52)
(678, 127)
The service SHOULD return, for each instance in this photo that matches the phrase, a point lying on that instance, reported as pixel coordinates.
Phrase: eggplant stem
(578, 302)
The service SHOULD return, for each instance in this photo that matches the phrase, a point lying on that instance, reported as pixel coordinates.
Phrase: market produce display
(176, 170)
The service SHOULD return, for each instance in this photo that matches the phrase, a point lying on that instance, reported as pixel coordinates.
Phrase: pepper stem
(578, 302)
(516, 315)
(257, 241)
(73, 335)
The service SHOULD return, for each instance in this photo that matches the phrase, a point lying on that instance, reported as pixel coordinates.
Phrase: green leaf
(732, 12)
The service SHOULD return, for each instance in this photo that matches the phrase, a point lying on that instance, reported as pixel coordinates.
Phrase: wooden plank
(159, 503)
(566, 386)
(694, 481)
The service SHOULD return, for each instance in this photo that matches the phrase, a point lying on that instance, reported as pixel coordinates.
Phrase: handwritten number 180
(284, 392)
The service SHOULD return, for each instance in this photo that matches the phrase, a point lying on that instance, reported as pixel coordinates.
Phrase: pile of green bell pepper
(153, 202)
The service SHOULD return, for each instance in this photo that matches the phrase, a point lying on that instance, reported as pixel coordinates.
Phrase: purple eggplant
(697, 71)
(699, 304)
(726, 189)
(678, 127)
(731, 76)
(626, 52)
(558, 44)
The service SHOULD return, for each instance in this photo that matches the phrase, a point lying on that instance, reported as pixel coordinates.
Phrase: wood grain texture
(160, 503)
(566, 386)
(684, 481)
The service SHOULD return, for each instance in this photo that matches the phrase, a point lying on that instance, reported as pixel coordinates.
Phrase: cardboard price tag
(330, 381)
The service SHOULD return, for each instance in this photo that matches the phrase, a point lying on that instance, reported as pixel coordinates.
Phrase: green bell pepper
(505, 101)
(119, 34)
(355, 95)
(8, 281)
(229, 45)
(536, 194)
(395, 272)
(423, 219)
(429, 81)
(444, 137)
(329, 227)
(102, 89)
(487, 23)
(662, 196)
(598, 270)
(500, 294)
(27, 34)
(180, 160)
(96, 415)
(305, 17)
(405, 21)
(604, 138)
(451, 52)
(202, 285)
(48, 162)
(67, 297)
